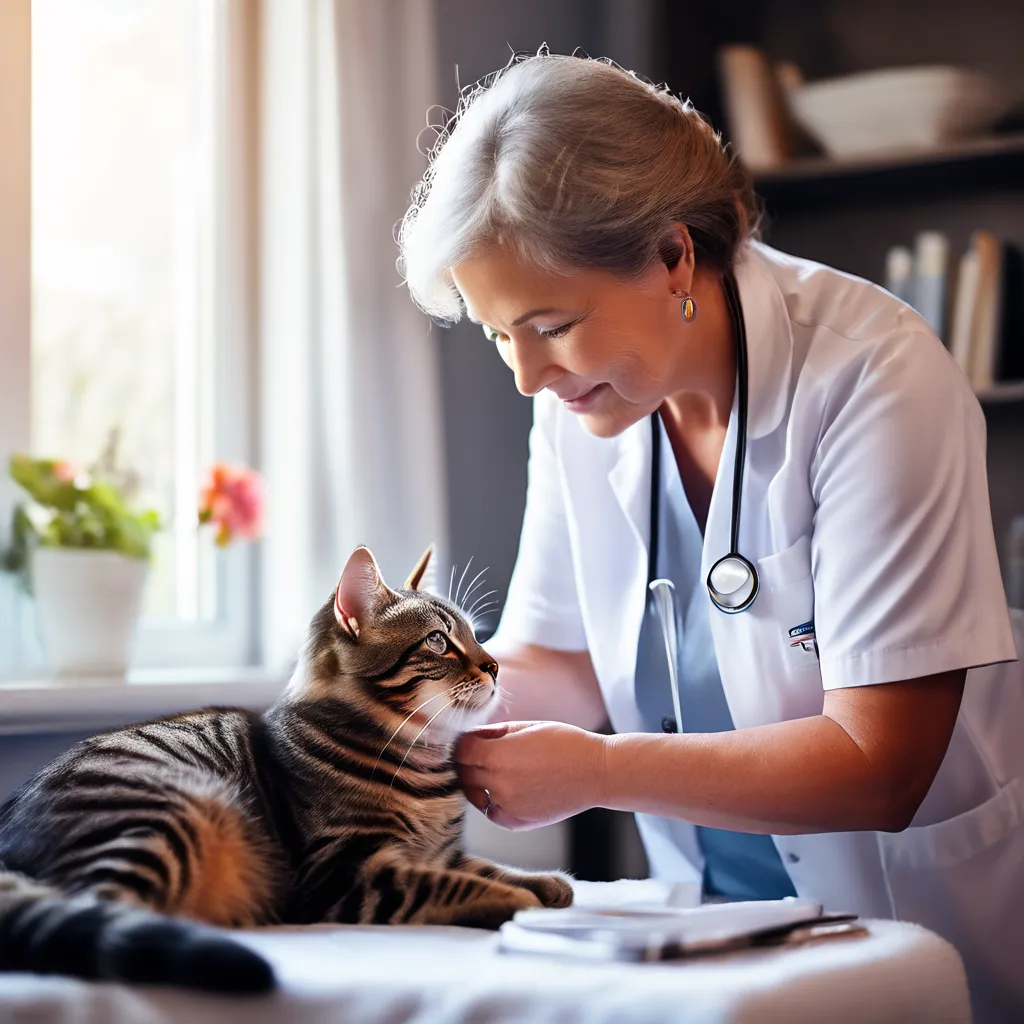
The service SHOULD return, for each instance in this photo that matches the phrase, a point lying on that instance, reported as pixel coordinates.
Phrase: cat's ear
(360, 589)
(422, 577)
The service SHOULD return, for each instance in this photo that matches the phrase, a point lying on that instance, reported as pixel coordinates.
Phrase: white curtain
(350, 398)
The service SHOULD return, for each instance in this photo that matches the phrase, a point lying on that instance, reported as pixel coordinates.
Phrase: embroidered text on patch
(803, 636)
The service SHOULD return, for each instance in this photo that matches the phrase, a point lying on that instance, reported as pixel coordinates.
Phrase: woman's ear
(359, 591)
(677, 254)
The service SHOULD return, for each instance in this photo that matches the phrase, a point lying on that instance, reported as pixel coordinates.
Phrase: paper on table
(625, 933)
(709, 921)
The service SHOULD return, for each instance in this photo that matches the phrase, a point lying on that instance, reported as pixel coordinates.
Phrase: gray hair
(575, 164)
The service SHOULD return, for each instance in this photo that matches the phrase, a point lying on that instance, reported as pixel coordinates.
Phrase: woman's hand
(537, 773)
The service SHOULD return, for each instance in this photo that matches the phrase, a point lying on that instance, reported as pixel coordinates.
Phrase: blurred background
(197, 207)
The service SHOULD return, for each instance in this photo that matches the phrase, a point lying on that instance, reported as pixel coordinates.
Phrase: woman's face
(610, 349)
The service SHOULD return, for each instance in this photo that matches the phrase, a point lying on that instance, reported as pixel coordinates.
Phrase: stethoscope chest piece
(733, 583)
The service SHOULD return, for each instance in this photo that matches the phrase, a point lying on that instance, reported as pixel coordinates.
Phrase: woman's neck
(705, 375)
(696, 416)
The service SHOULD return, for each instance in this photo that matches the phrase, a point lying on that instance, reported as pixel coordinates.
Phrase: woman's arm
(867, 762)
(543, 684)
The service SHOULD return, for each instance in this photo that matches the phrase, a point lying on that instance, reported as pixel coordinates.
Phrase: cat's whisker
(481, 597)
(451, 581)
(490, 607)
(416, 737)
(478, 617)
(469, 593)
(458, 589)
(475, 583)
(420, 707)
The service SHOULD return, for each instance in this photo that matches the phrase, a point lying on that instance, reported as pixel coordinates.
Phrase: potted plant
(83, 553)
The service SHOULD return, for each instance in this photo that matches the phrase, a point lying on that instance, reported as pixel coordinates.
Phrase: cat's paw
(493, 913)
(554, 890)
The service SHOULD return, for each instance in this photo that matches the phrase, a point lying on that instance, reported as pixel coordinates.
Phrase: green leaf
(39, 478)
(86, 512)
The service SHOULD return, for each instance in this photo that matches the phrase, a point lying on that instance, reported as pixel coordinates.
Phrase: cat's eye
(490, 333)
(437, 642)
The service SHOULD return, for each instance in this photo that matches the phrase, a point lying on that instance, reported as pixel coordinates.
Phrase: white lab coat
(865, 507)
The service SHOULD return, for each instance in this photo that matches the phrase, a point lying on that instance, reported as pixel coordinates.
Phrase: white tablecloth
(329, 974)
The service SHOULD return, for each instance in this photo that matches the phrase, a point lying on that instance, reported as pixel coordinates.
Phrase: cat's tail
(45, 932)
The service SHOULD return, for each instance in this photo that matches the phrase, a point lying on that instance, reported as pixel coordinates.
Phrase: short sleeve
(542, 607)
(906, 576)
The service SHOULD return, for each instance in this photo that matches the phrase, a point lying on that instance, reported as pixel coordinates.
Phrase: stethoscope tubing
(739, 329)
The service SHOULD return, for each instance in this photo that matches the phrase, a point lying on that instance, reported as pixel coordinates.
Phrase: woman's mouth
(586, 401)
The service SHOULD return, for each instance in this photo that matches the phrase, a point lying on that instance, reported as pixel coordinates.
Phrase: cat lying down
(339, 804)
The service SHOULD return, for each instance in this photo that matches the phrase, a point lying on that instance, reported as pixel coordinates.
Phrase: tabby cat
(339, 804)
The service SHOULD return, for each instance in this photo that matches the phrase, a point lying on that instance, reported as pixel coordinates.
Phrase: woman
(829, 746)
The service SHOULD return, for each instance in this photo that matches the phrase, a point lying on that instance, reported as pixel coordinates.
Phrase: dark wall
(838, 37)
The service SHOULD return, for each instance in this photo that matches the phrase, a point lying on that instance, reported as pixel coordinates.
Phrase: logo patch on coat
(803, 636)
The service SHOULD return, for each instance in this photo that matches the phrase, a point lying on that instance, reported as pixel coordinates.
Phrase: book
(754, 109)
(1014, 562)
(962, 319)
(931, 257)
(987, 319)
(899, 273)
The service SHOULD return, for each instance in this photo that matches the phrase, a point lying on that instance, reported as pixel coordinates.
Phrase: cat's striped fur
(341, 804)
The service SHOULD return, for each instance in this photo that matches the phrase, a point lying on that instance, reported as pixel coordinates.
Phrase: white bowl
(897, 109)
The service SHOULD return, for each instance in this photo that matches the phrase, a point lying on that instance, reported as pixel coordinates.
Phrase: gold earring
(688, 307)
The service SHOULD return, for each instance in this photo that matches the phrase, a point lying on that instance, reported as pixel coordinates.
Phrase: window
(140, 279)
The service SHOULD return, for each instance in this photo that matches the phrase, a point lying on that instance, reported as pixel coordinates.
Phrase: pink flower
(65, 471)
(232, 499)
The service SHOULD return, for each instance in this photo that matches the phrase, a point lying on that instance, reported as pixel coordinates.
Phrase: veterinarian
(795, 452)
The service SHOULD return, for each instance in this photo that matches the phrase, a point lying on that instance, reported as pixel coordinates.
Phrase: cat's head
(401, 656)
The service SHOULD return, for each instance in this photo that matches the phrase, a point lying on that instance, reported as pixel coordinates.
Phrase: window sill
(44, 705)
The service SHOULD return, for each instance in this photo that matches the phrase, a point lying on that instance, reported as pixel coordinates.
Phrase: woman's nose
(532, 373)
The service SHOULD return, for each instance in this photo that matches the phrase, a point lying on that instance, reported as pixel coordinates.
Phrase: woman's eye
(490, 333)
(437, 642)
(557, 332)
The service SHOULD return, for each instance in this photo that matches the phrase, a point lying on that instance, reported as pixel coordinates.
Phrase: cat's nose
(491, 668)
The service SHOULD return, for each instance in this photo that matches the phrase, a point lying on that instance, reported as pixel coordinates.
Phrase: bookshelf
(1000, 394)
(995, 161)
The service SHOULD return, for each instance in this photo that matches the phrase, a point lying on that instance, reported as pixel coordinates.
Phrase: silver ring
(487, 808)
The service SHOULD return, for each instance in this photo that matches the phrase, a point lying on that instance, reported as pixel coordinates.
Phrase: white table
(898, 972)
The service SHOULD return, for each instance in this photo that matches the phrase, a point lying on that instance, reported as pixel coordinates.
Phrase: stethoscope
(732, 581)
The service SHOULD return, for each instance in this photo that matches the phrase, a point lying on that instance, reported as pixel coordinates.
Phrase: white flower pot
(88, 605)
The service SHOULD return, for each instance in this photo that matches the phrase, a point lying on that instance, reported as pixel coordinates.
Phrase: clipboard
(648, 936)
